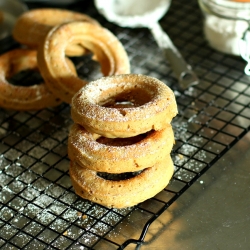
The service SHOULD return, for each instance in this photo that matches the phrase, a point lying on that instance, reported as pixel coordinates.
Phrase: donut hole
(122, 98)
(21, 69)
(99, 55)
(25, 78)
(118, 177)
(120, 142)
(87, 67)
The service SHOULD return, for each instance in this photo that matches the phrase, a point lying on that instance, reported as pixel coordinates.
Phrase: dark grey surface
(214, 213)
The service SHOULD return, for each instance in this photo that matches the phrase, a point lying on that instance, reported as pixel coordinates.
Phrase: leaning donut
(106, 48)
(121, 154)
(153, 105)
(33, 97)
(121, 193)
(32, 26)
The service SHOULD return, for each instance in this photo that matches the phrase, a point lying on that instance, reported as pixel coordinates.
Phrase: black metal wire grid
(38, 207)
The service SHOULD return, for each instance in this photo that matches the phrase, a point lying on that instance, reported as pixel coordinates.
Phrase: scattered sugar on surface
(188, 149)
(179, 159)
(188, 155)
(180, 129)
(88, 229)
(183, 174)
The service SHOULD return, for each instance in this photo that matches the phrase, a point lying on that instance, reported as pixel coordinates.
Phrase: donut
(121, 154)
(106, 48)
(14, 97)
(32, 26)
(89, 185)
(152, 105)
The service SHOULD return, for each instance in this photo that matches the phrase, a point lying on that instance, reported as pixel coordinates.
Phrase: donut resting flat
(121, 193)
(16, 97)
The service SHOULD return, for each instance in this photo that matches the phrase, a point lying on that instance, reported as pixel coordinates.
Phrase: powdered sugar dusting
(87, 102)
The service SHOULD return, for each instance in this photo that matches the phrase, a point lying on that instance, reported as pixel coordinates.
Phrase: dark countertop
(215, 211)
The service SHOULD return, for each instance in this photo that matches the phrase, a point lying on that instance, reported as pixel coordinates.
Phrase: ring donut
(106, 48)
(153, 108)
(32, 26)
(33, 97)
(121, 193)
(121, 154)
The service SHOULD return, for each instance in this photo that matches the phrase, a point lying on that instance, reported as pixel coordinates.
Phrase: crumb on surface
(84, 216)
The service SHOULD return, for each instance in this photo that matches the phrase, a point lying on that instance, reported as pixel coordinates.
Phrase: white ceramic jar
(227, 27)
(226, 23)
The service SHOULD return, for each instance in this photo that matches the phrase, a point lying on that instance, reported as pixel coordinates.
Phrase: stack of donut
(48, 37)
(120, 143)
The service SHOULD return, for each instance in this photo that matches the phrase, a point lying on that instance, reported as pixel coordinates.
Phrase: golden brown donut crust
(32, 26)
(33, 97)
(123, 193)
(154, 105)
(106, 48)
(119, 155)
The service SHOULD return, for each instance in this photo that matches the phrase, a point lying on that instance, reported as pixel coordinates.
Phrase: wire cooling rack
(38, 206)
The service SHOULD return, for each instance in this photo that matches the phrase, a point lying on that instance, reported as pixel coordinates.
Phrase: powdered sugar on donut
(155, 105)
